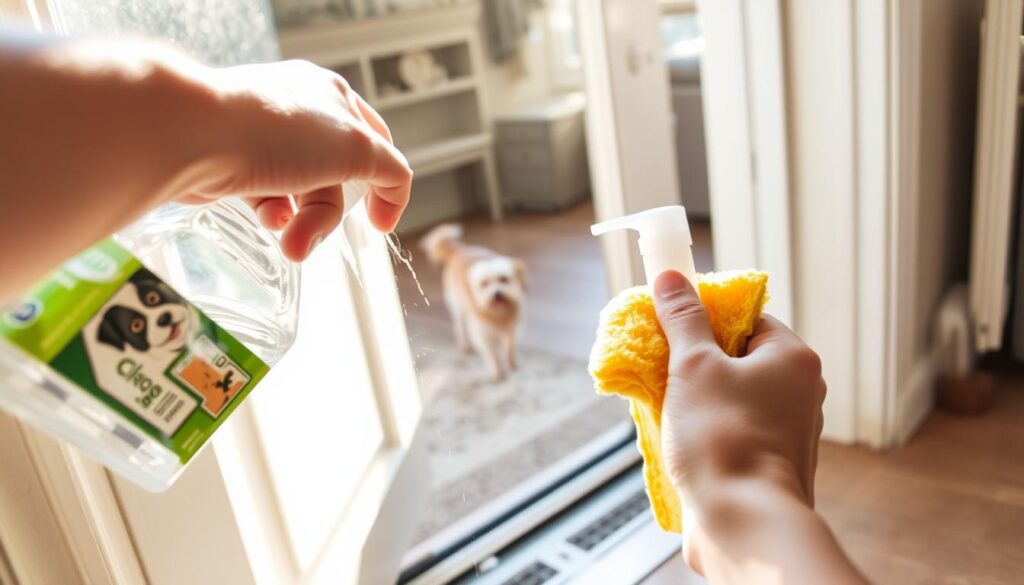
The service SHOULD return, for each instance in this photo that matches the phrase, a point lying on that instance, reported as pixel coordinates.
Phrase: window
(495, 443)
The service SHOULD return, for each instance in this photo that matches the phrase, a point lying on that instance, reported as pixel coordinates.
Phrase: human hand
(729, 422)
(135, 124)
(293, 128)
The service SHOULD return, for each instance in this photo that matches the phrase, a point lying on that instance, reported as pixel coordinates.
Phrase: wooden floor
(947, 508)
(567, 283)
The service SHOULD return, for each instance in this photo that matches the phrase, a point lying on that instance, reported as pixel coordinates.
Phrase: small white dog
(484, 292)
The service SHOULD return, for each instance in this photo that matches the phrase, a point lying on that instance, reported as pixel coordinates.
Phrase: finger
(769, 325)
(680, 312)
(319, 212)
(273, 212)
(770, 332)
(390, 187)
(383, 214)
(373, 118)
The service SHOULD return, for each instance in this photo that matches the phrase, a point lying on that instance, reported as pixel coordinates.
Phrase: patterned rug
(485, 436)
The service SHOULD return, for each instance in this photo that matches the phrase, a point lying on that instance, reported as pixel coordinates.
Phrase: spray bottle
(140, 347)
(665, 241)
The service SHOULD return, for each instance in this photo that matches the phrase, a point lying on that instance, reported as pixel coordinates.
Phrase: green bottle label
(123, 335)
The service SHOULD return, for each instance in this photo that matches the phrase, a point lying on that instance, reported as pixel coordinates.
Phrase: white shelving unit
(441, 128)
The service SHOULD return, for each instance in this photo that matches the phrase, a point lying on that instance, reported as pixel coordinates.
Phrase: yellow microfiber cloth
(630, 359)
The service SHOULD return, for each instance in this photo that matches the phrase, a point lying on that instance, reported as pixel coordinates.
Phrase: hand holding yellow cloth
(630, 359)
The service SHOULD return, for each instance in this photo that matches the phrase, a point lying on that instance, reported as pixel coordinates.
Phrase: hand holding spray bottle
(139, 348)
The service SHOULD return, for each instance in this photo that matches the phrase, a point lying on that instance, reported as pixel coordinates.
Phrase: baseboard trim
(914, 400)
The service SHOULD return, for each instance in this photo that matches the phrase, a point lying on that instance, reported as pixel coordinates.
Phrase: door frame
(744, 89)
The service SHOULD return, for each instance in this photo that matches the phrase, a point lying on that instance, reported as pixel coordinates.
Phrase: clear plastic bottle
(220, 260)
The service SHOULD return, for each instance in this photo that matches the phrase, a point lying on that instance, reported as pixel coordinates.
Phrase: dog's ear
(110, 334)
(520, 272)
(143, 275)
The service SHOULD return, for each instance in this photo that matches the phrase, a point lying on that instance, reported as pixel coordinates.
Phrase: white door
(640, 93)
(631, 145)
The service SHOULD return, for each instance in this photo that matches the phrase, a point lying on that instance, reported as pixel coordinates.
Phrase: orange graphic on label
(207, 371)
(216, 387)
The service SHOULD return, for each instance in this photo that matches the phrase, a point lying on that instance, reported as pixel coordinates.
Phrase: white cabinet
(542, 153)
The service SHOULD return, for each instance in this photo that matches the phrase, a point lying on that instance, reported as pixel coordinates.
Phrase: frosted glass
(220, 32)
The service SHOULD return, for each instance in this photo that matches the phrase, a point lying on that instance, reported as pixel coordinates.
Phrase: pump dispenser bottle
(665, 241)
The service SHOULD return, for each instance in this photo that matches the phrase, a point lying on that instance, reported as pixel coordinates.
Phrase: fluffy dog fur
(484, 292)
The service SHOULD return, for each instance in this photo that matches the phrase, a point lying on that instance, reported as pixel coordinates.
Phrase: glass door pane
(487, 435)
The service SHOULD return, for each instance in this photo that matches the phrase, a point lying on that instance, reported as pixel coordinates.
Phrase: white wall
(881, 100)
(937, 78)
(949, 75)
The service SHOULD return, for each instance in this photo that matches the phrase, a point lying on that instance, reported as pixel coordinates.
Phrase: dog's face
(147, 315)
(497, 284)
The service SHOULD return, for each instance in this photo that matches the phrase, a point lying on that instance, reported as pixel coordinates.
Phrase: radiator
(995, 171)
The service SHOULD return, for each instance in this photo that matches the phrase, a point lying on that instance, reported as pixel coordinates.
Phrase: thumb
(680, 312)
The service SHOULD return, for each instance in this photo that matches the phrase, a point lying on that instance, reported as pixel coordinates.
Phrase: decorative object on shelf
(419, 70)
(388, 90)
(440, 74)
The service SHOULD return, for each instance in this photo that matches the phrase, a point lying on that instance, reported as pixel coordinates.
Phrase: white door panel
(316, 412)
(630, 138)
(643, 111)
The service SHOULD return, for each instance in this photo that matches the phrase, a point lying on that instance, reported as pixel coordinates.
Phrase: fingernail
(316, 242)
(669, 284)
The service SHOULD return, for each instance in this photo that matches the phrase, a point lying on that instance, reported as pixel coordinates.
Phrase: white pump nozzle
(664, 239)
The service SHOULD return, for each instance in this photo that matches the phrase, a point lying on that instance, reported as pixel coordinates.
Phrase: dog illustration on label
(149, 316)
(131, 342)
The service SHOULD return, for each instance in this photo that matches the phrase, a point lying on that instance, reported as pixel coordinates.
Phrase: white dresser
(542, 155)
